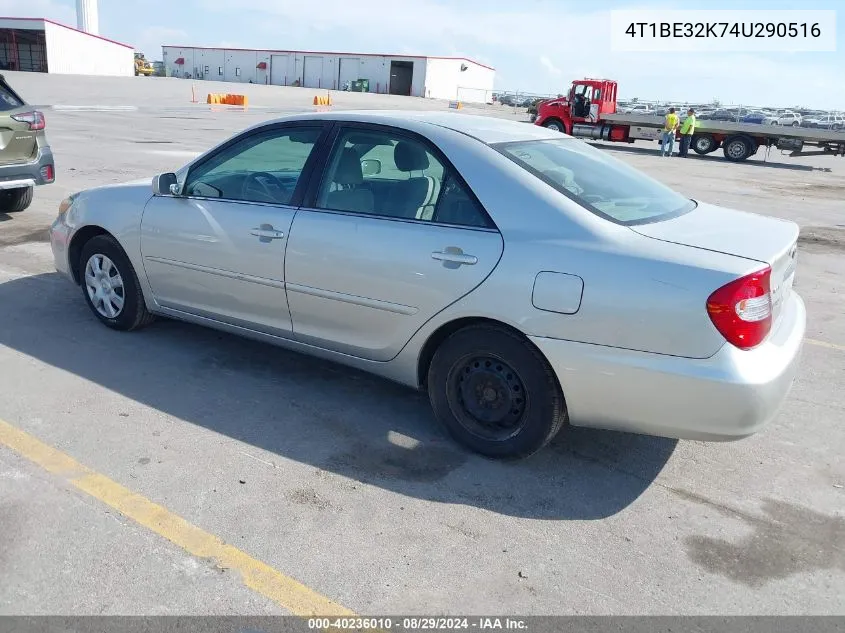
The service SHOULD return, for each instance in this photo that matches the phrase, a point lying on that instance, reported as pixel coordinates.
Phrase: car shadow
(321, 414)
(655, 151)
(4, 217)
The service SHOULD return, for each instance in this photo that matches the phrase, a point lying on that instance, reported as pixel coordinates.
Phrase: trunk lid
(17, 141)
(754, 237)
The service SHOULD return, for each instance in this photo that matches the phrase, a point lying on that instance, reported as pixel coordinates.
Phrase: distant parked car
(827, 122)
(639, 108)
(724, 114)
(26, 160)
(761, 118)
(789, 118)
(532, 109)
(524, 279)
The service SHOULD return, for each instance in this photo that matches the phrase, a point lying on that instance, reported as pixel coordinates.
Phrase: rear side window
(598, 182)
(8, 99)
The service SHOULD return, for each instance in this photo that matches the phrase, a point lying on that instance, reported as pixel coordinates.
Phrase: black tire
(15, 200)
(703, 144)
(555, 124)
(133, 313)
(795, 124)
(737, 148)
(494, 362)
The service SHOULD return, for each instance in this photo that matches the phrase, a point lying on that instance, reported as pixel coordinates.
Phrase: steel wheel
(495, 392)
(488, 398)
(703, 144)
(736, 149)
(105, 286)
(557, 126)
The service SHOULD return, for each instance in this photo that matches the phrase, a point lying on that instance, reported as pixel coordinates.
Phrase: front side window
(598, 182)
(264, 167)
(389, 174)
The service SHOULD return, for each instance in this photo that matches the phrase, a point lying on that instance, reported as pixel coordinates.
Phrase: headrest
(409, 157)
(349, 169)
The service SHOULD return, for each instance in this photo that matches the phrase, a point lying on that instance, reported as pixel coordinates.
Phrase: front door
(380, 254)
(218, 250)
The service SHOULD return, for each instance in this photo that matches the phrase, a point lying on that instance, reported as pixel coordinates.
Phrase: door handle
(267, 233)
(454, 256)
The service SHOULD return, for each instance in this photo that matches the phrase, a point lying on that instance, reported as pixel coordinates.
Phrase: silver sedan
(524, 278)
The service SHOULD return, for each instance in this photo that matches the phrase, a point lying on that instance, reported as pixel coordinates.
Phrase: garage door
(279, 70)
(349, 70)
(312, 74)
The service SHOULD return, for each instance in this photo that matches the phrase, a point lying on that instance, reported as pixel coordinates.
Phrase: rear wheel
(110, 285)
(15, 200)
(495, 393)
(554, 124)
(737, 148)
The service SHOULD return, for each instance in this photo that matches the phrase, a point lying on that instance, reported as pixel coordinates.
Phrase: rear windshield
(598, 182)
(8, 99)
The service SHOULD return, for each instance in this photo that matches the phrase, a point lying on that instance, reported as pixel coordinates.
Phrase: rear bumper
(30, 174)
(728, 396)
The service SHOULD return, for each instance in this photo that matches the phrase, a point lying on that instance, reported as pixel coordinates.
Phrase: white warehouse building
(41, 45)
(433, 77)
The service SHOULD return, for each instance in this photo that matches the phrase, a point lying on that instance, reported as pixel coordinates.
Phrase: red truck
(589, 111)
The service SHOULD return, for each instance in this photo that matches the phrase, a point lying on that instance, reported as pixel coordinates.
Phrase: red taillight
(742, 309)
(35, 119)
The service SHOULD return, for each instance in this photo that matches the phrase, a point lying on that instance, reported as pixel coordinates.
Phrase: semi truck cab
(586, 103)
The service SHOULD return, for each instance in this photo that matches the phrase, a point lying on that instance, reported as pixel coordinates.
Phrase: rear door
(392, 237)
(17, 141)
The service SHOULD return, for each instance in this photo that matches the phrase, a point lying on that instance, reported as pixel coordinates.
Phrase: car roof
(486, 129)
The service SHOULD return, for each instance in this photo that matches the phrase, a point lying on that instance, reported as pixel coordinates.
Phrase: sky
(536, 46)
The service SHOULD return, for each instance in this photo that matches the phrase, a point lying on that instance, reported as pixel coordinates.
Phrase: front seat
(347, 177)
(417, 196)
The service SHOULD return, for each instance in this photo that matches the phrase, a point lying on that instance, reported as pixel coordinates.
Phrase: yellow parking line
(260, 577)
(813, 341)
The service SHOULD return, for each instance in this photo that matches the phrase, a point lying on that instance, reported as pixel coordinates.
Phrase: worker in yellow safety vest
(670, 128)
(687, 130)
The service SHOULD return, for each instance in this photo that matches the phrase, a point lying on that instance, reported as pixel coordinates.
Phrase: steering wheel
(263, 184)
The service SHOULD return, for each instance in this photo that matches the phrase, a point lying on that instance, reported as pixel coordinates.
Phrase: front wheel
(495, 393)
(110, 285)
(15, 200)
(554, 124)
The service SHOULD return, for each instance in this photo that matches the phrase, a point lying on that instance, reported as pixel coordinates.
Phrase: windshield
(598, 182)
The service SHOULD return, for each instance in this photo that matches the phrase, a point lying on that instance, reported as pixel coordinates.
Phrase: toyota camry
(524, 279)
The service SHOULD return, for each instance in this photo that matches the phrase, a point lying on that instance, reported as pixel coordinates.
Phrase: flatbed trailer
(589, 111)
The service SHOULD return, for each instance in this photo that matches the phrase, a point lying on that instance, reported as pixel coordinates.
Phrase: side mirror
(165, 185)
(370, 167)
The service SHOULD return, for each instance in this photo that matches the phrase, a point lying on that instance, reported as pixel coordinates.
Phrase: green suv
(26, 159)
